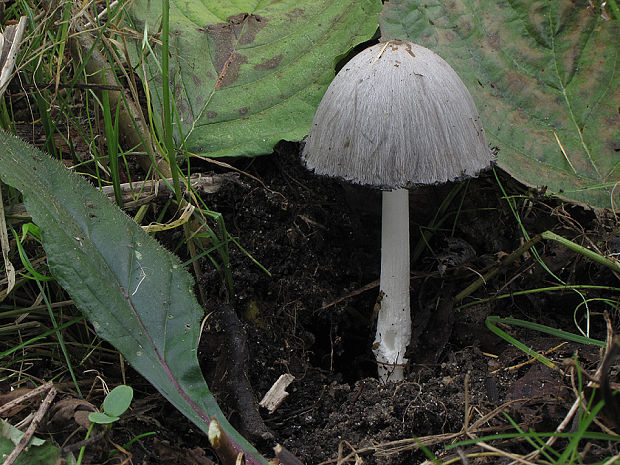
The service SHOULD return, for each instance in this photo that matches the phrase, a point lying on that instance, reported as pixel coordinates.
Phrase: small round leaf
(101, 418)
(118, 400)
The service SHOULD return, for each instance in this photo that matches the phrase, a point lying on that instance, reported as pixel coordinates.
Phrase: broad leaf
(37, 452)
(102, 418)
(546, 80)
(247, 73)
(135, 293)
(118, 400)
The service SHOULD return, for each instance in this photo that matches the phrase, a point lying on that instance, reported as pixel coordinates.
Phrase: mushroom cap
(397, 115)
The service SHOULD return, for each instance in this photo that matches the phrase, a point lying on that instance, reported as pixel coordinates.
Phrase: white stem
(394, 321)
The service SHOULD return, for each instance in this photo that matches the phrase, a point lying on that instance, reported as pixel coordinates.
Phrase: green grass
(75, 112)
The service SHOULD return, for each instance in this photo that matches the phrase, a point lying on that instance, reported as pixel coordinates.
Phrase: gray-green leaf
(135, 293)
(545, 78)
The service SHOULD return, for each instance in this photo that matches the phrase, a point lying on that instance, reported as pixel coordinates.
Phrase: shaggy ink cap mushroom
(395, 116)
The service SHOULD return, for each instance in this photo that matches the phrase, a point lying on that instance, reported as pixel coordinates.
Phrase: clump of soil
(312, 316)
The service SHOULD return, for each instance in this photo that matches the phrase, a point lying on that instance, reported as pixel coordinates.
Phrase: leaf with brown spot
(248, 76)
(546, 79)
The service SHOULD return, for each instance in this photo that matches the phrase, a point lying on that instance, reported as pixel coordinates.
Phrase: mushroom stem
(394, 320)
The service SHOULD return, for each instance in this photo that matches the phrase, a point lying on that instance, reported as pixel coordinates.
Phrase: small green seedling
(114, 405)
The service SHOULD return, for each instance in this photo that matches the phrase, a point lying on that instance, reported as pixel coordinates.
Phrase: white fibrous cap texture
(397, 115)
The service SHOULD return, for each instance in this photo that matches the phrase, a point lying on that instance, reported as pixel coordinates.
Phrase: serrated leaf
(545, 78)
(248, 74)
(135, 293)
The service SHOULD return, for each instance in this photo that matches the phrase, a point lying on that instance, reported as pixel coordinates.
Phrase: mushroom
(395, 116)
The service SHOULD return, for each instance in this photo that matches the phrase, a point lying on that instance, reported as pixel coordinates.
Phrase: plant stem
(548, 235)
(507, 261)
(612, 265)
(165, 75)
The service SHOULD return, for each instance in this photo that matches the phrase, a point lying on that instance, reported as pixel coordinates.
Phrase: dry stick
(83, 443)
(492, 414)
(364, 288)
(206, 184)
(515, 458)
(233, 361)
(355, 454)
(23, 398)
(245, 173)
(529, 361)
(613, 460)
(148, 191)
(33, 426)
(462, 456)
(367, 287)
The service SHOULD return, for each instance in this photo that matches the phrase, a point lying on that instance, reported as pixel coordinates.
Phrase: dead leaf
(67, 412)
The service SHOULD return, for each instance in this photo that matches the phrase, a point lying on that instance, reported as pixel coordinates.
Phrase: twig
(362, 289)
(33, 425)
(507, 261)
(368, 287)
(230, 167)
(515, 458)
(83, 443)
(27, 396)
(231, 369)
(148, 190)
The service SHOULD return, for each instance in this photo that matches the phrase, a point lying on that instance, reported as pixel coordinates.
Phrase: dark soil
(320, 240)
(312, 317)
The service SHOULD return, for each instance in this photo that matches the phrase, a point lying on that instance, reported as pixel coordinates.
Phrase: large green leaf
(546, 80)
(250, 73)
(136, 294)
(37, 452)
